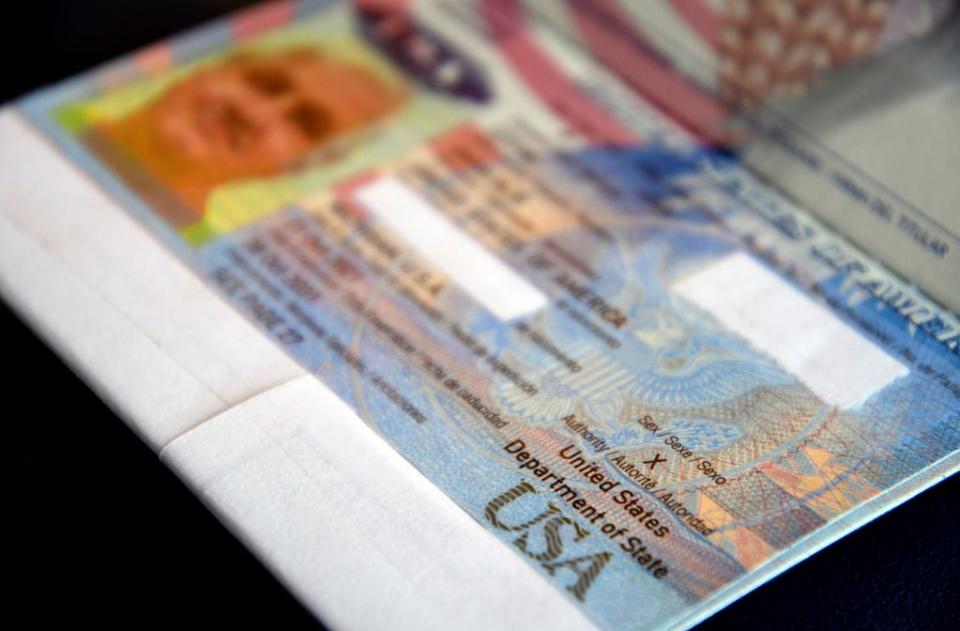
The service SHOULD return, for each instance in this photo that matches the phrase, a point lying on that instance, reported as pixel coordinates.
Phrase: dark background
(104, 533)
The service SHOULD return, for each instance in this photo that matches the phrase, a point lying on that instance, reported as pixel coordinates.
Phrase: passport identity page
(646, 372)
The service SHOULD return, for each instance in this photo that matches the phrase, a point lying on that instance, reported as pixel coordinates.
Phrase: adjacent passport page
(647, 373)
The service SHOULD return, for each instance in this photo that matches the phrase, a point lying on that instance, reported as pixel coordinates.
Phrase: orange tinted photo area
(249, 116)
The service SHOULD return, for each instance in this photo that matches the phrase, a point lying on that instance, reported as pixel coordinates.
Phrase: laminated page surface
(648, 374)
(849, 107)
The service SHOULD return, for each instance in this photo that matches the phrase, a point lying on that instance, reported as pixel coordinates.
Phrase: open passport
(500, 313)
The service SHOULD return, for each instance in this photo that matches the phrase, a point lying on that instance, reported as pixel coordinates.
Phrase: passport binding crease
(485, 285)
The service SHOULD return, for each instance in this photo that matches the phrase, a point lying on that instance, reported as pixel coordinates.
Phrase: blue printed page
(647, 372)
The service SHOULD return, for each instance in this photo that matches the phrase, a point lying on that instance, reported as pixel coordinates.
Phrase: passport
(650, 374)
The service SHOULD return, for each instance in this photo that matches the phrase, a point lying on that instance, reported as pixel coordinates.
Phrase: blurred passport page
(452, 325)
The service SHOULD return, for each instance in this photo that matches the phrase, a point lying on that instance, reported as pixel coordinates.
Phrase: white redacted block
(475, 269)
(825, 354)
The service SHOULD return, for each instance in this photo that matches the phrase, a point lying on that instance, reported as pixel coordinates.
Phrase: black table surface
(103, 532)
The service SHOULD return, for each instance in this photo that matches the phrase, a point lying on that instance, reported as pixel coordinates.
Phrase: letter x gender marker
(654, 461)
